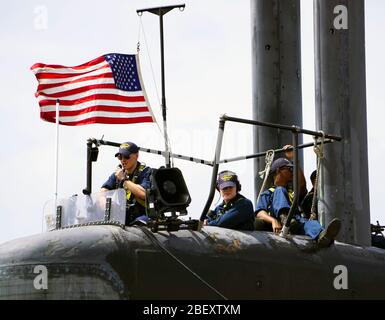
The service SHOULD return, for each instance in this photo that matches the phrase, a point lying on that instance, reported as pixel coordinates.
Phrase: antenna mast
(161, 11)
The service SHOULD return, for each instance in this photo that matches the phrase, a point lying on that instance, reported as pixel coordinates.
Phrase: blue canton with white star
(124, 71)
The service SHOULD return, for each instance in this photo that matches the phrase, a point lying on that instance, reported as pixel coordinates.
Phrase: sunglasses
(121, 157)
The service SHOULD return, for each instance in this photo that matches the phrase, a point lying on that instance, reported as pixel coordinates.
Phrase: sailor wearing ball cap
(134, 177)
(235, 211)
(274, 205)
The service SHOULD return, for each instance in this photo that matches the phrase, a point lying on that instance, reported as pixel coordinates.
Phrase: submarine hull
(108, 262)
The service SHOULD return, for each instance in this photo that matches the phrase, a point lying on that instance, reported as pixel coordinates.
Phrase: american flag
(108, 89)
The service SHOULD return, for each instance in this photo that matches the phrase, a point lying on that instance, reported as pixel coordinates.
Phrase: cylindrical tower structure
(276, 70)
(341, 110)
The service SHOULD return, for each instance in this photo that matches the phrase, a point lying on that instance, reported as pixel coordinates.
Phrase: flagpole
(56, 152)
(161, 11)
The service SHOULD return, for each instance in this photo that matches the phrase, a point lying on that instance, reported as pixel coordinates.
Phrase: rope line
(268, 160)
(319, 151)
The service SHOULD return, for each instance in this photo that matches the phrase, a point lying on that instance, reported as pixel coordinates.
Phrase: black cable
(157, 242)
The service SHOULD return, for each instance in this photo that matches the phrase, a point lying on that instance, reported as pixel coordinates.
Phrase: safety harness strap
(138, 170)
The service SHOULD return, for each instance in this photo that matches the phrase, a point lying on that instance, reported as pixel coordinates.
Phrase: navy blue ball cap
(226, 179)
(127, 148)
(279, 163)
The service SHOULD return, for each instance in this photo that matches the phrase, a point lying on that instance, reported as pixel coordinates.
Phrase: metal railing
(295, 132)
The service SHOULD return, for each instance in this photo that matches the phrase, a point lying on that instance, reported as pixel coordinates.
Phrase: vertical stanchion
(214, 172)
(161, 11)
(285, 228)
(56, 151)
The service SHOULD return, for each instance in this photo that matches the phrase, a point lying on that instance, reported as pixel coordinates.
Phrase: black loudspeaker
(168, 192)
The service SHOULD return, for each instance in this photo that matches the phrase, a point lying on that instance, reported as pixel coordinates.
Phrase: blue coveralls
(237, 214)
(277, 202)
(141, 177)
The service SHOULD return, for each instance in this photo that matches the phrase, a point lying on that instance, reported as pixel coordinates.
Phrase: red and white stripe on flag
(108, 89)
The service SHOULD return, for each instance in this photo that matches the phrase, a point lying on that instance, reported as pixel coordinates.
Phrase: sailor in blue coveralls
(274, 205)
(235, 211)
(134, 177)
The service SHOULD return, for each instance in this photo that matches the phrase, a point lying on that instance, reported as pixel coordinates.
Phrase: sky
(208, 63)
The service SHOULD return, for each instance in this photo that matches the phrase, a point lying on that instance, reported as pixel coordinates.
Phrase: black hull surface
(108, 262)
